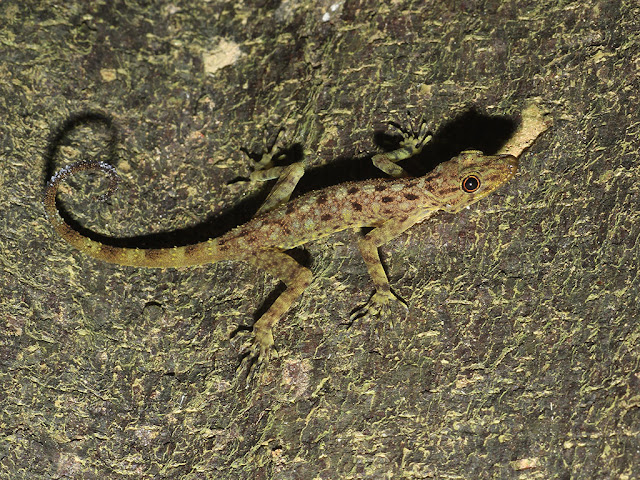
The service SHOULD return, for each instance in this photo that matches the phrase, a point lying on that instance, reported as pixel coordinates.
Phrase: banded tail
(196, 254)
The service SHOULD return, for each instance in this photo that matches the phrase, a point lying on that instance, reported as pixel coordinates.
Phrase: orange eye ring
(470, 184)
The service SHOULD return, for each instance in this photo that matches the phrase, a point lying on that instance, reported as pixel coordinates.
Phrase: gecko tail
(196, 254)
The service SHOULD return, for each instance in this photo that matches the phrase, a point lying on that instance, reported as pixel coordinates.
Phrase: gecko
(388, 206)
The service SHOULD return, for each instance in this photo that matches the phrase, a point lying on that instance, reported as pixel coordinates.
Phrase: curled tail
(196, 254)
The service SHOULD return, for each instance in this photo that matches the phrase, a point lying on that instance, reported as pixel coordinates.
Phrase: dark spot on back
(410, 196)
(356, 206)
(322, 198)
(290, 208)
(380, 188)
(352, 190)
(326, 217)
(387, 199)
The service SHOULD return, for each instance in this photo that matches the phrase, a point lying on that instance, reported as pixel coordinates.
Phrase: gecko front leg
(412, 143)
(368, 246)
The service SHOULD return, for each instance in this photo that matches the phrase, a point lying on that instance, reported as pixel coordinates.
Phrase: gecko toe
(255, 355)
(380, 304)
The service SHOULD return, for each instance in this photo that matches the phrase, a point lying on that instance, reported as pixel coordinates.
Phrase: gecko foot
(256, 353)
(379, 303)
(416, 136)
(264, 164)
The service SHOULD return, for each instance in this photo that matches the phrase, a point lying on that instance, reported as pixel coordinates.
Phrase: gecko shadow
(104, 126)
(470, 130)
(95, 121)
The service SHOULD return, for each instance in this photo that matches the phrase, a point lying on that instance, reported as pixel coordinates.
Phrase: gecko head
(470, 176)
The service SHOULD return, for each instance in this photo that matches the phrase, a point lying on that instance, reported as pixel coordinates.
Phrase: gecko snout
(512, 165)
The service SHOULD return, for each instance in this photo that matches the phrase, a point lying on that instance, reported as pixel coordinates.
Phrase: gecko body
(388, 206)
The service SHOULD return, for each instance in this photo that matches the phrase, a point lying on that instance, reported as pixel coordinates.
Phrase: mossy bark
(518, 357)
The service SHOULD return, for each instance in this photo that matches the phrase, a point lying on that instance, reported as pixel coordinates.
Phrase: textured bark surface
(519, 355)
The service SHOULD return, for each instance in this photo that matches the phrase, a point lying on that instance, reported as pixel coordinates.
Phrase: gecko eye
(470, 184)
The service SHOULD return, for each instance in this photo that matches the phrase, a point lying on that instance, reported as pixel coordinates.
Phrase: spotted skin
(388, 206)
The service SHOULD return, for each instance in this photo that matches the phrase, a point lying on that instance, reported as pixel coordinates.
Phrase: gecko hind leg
(258, 349)
(379, 304)
(282, 190)
(288, 176)
(262, 168)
